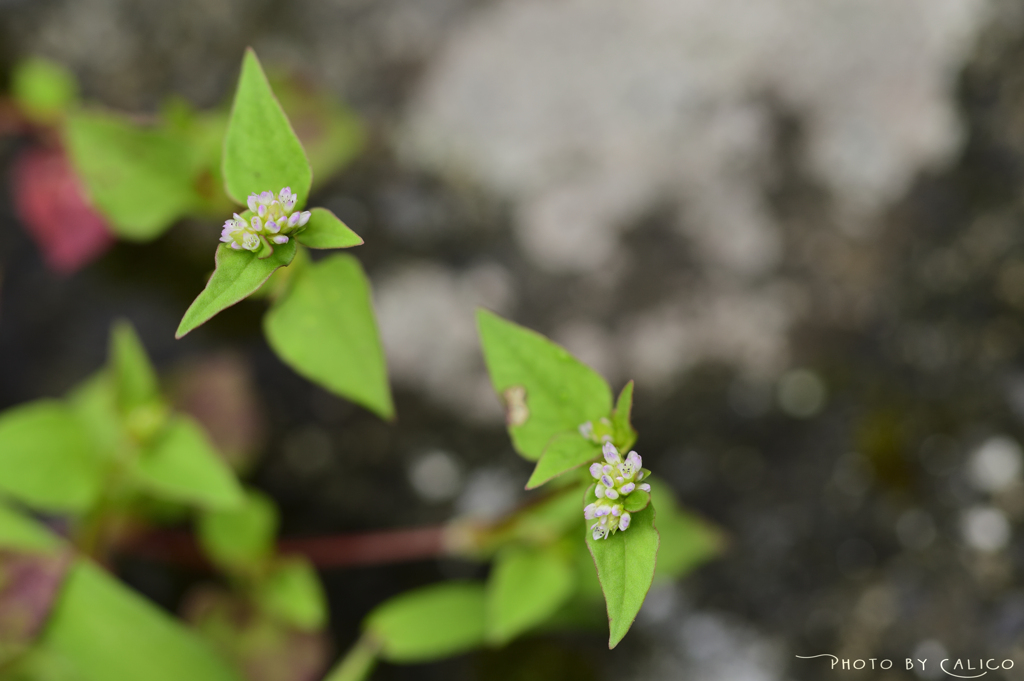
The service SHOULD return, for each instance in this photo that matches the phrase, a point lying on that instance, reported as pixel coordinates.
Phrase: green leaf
(430, 623)
(688, 542)
(546, 390)
(292, 592)
(358, 663)
(109, 633)
(238, 275)
(141, 179)
(625, 566)
(134, 376)
(183, 465)
(44, 90)
(623, 435)
(564, 452)
(21, 533)
(95, 404)
(325, 230)
(261, 152)
(324, 328)
(47, 459)
(527, 586)
(241, 538)
(636, 500)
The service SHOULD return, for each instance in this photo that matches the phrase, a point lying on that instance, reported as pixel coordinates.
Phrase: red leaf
(55, 211)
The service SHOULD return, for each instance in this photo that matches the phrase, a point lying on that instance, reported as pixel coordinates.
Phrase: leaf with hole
(547, 390)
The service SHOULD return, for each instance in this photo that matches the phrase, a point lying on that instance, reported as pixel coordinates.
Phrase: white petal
(627, 488)
(624, 521)
(611, 494)
(645, 487)
(595, 471)
(611, 455)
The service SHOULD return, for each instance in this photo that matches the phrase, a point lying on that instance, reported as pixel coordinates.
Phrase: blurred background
(797, 224)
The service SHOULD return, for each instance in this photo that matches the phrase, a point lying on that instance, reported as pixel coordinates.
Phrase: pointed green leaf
(324, 328)
(292, 592)
(527, 585)
(689, 541)
(134, 376)
(182, 465)
(21, 533)
(238, 275)
(546, 390)
(94, 402)
(429, 623)
(47, 459)
(240, 538)
(44, 90)
(623, 435)
(564, 452)
(110, 633)
(261, 152)
(140, 179)
(625, 564)
(325, 230)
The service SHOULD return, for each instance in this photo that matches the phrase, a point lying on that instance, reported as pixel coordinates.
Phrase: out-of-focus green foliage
(44, 90)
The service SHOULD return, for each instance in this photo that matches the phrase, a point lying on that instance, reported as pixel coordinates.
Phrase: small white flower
(612, 517)
(272, 215)
(586, 430)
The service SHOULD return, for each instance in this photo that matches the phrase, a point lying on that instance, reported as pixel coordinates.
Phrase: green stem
(358, 663)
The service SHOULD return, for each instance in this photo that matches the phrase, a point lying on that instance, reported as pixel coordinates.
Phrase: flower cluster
(615, 480)
(273, 220)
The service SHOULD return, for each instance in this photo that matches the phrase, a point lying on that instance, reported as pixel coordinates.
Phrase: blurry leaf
(52, 205)
(109, 633)
(134, 377)
(330, 132)
(21, 533)
(219, 391)
(564, 452)
(44, 90)
(29, 583)
(141, 179)
(264, 647)
(238, 275)
(430, 623)
(242, 538)
(623, 436)
(557, 391)
(292, 591)
(325, 230)
(261, 153)
(324, 328)
(625, 565)
(95, 404)
(526, 586)
(39, 664)
(686, 540)
(182, 465)
(47, 459)
(358, 663)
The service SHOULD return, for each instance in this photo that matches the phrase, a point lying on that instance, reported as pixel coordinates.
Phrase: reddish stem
(334, 551)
